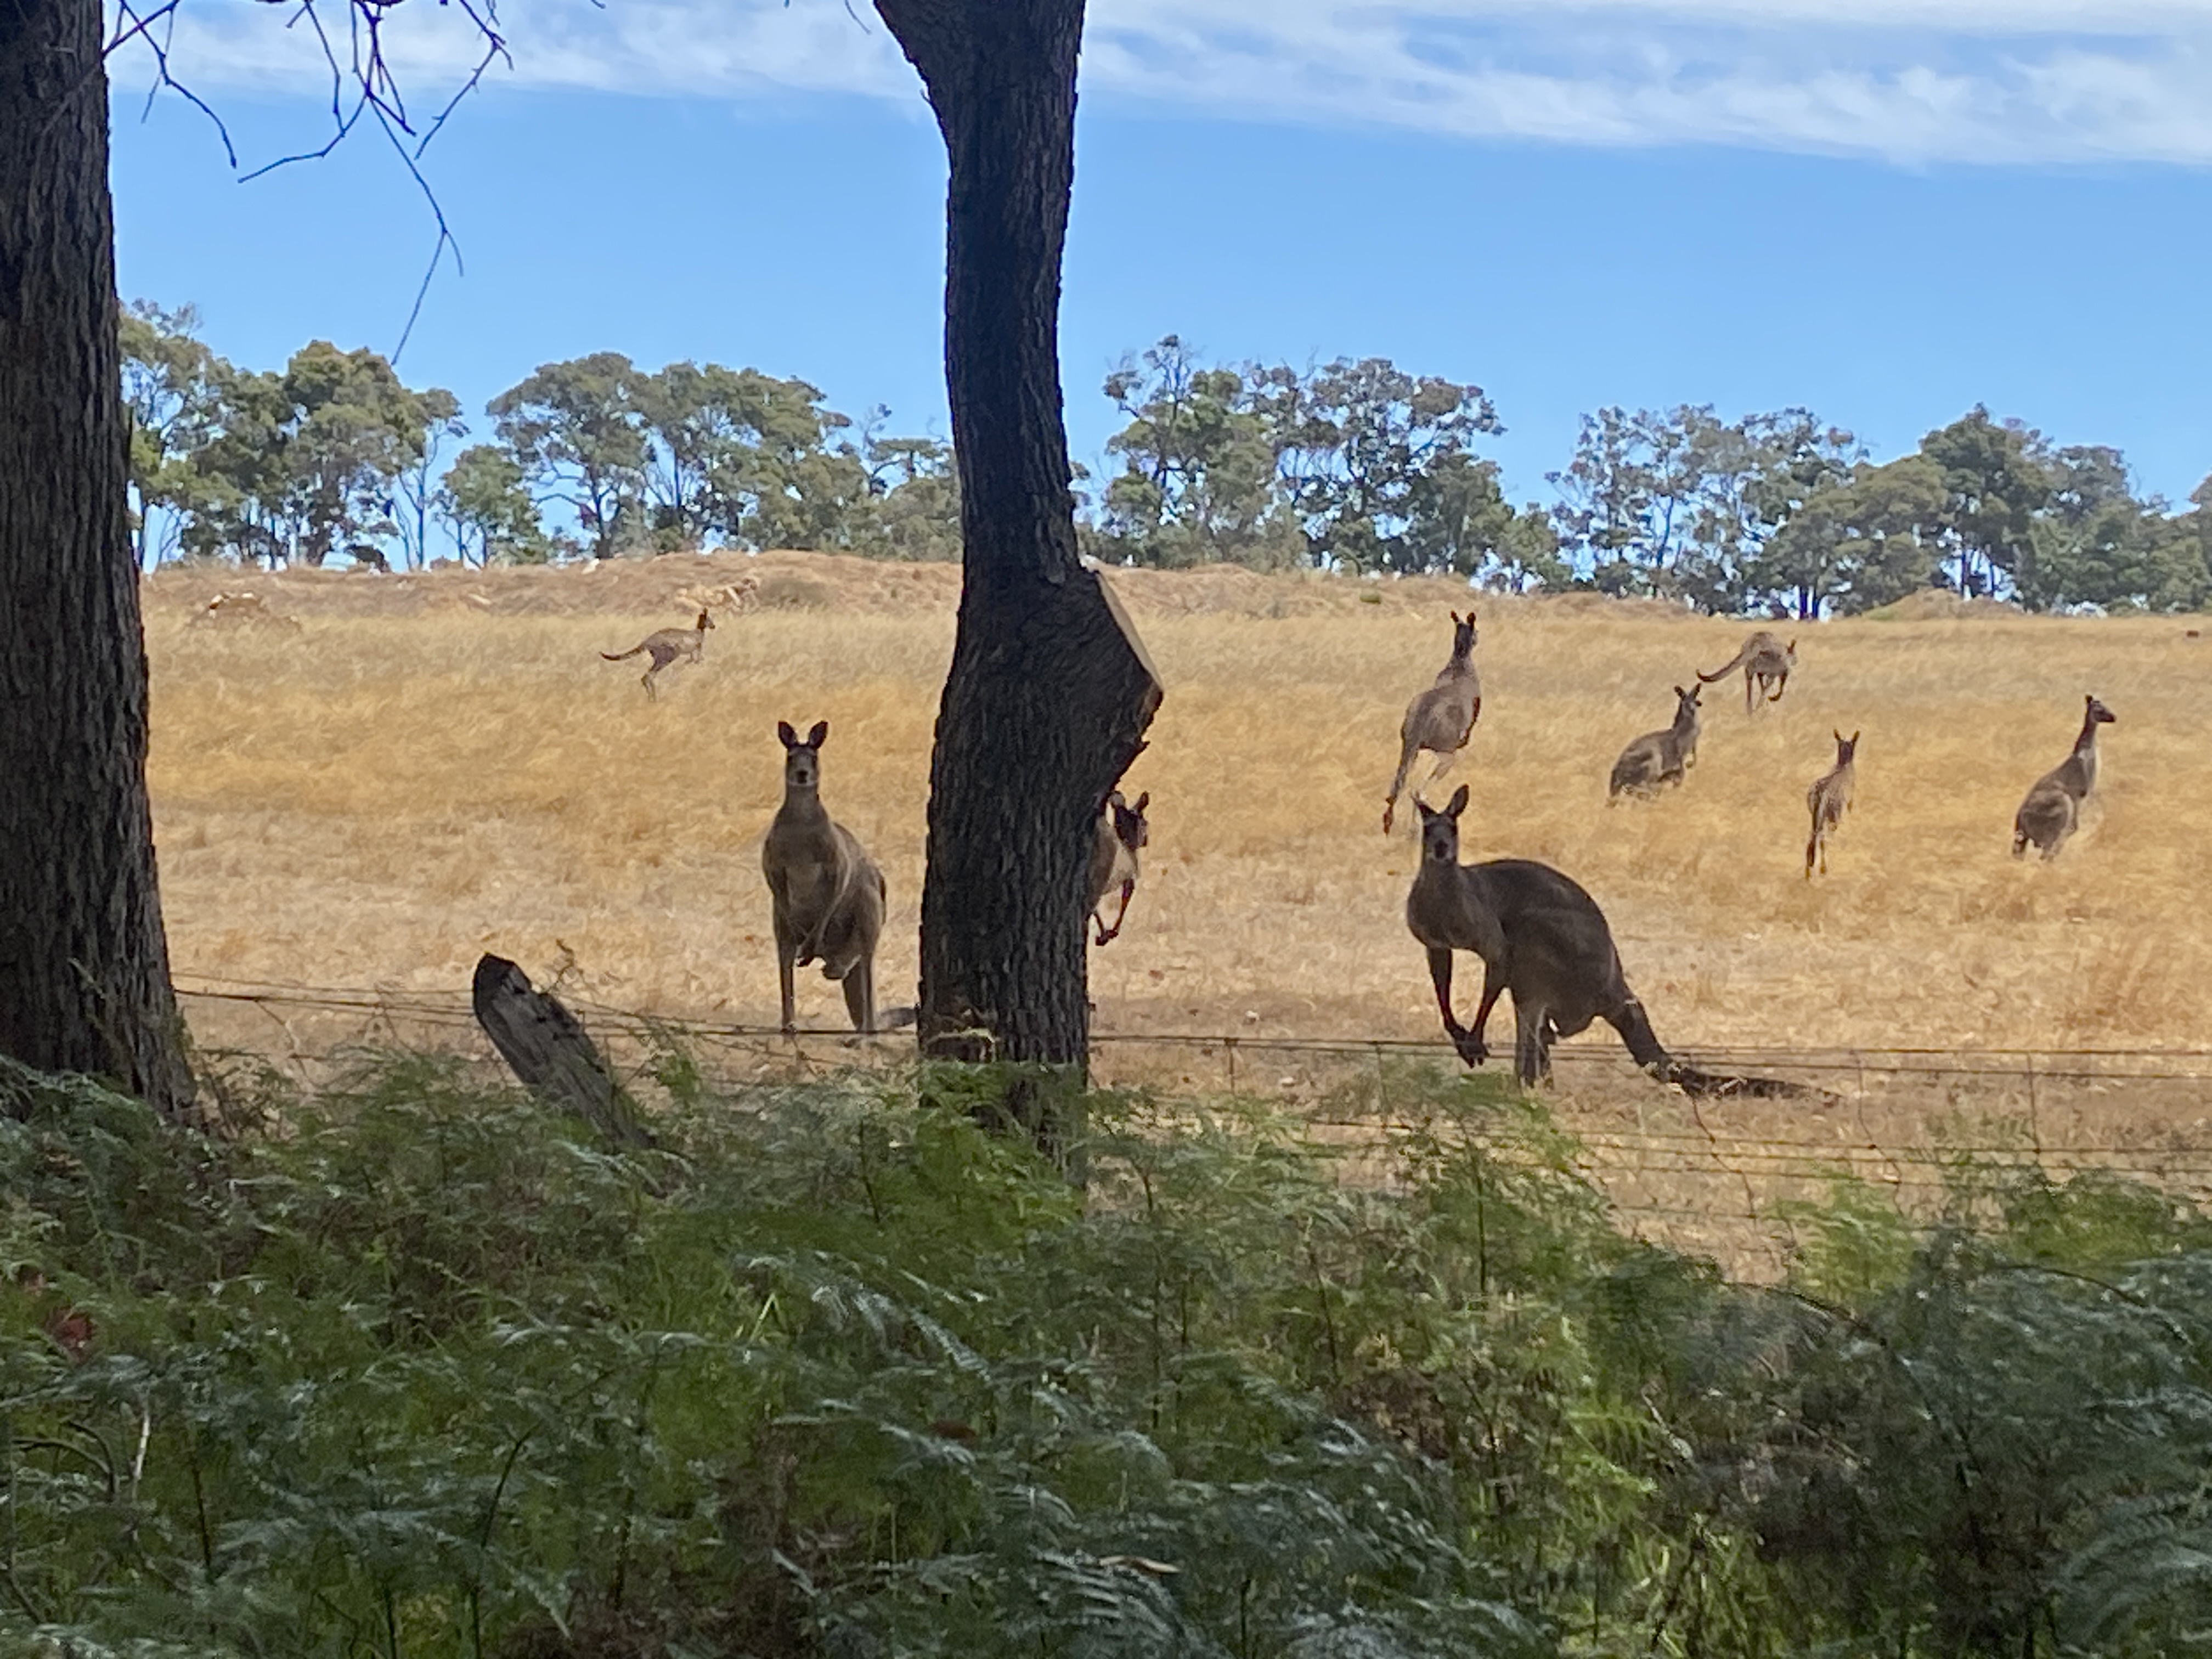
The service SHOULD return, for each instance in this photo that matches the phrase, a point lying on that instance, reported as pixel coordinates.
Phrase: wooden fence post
(549, 1049)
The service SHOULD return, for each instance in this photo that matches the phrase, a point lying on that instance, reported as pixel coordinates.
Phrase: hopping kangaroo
(1764, 658)
(1658, 757)
(1121, 831)
(1830, 797)
(1540, 936)
(828, 894)
(664, 645)
(1442, 719)
(2052, 811)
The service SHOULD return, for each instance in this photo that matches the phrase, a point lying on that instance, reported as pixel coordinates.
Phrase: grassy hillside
(403, 772)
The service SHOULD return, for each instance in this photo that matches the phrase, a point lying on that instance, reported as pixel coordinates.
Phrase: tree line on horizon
(1353, 465)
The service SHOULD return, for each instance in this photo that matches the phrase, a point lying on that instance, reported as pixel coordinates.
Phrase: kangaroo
(1764, 658)
(664, 645)
(1542, 937)
(1830, 797)
(2052, 811)
(1442, 719)
(1658, 757)
(828, 893)
(1121, 831)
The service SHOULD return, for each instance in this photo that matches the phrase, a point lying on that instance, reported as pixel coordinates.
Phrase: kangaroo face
(802, 761)
(1687, 702)
(706, 621)
(1846, 748)
(1462, 633)
(1440, 830)
(1130, 827)
(2100, 715)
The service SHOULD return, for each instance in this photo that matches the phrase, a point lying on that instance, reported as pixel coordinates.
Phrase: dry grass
(433, 766)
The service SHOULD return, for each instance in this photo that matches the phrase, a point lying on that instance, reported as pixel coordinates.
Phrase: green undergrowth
(423, 1371)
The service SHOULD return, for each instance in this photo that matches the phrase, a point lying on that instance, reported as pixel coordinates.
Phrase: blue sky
(1887, 211)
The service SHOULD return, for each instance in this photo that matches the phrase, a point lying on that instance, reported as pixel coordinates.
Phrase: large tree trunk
(1049, 692)
(84, 970)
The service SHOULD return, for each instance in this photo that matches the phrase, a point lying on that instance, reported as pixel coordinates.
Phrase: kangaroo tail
(617, 656)
(1734, 663)
(1646, 1050)
(891, 1019)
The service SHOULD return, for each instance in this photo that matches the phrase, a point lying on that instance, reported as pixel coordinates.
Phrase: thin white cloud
(1909, 80)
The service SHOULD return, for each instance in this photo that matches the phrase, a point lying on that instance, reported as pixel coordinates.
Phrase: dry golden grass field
(400, 772)
(389, 776)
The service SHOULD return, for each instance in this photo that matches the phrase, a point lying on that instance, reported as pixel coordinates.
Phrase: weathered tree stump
(547, 1047)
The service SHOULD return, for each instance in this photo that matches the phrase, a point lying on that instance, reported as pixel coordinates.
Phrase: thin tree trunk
(84, 970)
(1049, 692)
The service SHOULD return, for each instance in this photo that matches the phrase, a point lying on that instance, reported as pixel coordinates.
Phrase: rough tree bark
(84, 970)
(1050, 691)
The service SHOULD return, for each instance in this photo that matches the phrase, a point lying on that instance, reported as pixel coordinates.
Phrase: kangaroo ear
(1854, 740)
(821, 730)
(1458, 804)
(1143, 801)
(785, 735)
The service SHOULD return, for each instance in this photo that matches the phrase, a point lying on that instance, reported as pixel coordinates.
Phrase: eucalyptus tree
(1996, 480)
(577, 432)
(1050, 691)
(487, 508)
(1354, 440)
(84, 964)
(1197, 482)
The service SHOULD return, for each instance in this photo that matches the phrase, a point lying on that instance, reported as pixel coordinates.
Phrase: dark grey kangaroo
(1542, 937)
(1764, 658)
(1121, 831)
(2052, 811)
(1442, 719)
(828, 893)
(1659, 757)
(1830, 797)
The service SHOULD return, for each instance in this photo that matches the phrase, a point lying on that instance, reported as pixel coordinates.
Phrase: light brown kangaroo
(1442, 719)
(1121, 831)
(1830, 797)
(2052, 811)
(666, 646)
(1659, 757)
(1542, 937)
(1764, 658)
(828, 893)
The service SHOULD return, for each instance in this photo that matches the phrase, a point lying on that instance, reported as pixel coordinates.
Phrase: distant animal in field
(2052, 811)
(1659, 757)
(666, 646)
(1542, 937)
(735, 596)
(1442, 719)
(1121, 831)
(828, 894)
(1830, 797)
(229, 610)
(1763, 658)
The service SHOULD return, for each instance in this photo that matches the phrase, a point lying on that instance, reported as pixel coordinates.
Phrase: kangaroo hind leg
(861, 995)
(1408, 747)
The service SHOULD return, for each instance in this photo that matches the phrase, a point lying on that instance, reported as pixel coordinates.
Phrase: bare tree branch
(362, 84)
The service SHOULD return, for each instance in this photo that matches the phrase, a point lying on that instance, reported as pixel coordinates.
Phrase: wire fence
(1725, 1177)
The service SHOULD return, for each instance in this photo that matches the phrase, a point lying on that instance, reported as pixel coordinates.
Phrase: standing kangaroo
(664, 645)
(1121, 831)
(1442, 719)
(1658, 757)
(2052, 811)
(1764, 658)
(828, 893)
(1830, 797)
